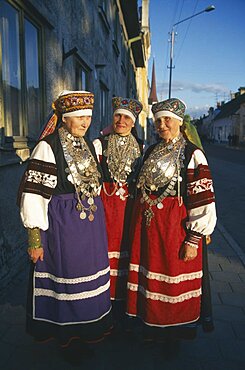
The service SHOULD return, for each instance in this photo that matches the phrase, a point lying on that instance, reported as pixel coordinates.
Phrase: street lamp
(208, 9)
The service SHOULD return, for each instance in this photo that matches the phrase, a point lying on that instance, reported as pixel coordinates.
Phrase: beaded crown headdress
(80, 102)
(169, 108)
(131, 107)
(69, 103)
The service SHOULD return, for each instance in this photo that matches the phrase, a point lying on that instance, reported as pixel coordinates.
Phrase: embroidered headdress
(130, 107)
(169, 108)
(74, 103)
(69, 103)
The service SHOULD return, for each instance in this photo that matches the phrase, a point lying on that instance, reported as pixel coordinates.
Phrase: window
(103, 106)
(103, 12)
(116, 29)
(32, 81)
(103, 6)
(82, 77)
(124, 55)
(20, 79)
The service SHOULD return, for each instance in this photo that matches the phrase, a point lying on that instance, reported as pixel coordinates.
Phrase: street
(228, 171)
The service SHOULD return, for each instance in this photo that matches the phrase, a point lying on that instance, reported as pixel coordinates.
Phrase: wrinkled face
(122, 124)
(77, 126)
(167, 127)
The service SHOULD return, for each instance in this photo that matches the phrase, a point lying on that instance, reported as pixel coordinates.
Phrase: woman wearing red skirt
(174, 210)
(119, 154)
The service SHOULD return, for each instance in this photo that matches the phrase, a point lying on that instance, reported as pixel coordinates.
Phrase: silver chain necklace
(121, 153)
(82, 172)
(161, 168)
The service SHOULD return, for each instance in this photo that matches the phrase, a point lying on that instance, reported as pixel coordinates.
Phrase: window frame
(103, 9)
(104, 117)
(116, 30)
(23, 140)
(82, 66)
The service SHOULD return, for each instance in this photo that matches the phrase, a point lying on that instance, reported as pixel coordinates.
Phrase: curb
(233, 244)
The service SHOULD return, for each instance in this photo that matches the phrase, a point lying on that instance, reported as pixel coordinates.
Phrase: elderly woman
(119, 153)
(174, 210)
(61, 208)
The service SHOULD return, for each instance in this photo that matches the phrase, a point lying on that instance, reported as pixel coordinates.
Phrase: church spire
(153, 93)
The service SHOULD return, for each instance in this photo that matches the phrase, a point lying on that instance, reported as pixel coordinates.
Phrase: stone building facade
(47, 46)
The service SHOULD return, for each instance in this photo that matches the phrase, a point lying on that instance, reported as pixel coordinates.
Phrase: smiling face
(77, 126)
(122, 124)
(167, 127)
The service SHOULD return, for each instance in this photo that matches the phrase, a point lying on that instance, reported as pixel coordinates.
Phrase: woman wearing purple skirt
(69, 297)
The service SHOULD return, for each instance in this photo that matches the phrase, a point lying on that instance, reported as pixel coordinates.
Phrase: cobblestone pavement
(224, 349)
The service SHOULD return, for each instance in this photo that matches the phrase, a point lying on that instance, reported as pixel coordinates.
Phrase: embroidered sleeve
(98, 148)
(200, 196)
(38, 183)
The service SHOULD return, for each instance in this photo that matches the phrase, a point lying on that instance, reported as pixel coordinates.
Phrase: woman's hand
(35, 254)
(189, 252)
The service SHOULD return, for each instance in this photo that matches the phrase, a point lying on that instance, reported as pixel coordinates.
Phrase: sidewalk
(224, 349)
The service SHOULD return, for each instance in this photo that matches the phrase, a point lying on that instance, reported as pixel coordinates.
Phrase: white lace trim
(119, 272)
(71, 297)
(118, 255)
(165, 298)
(84, 279)
(166, 278)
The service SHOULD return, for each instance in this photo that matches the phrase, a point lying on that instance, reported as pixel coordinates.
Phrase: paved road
(228, 154)
(228, 170)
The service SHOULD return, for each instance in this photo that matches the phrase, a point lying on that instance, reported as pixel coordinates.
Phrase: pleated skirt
(69, 292)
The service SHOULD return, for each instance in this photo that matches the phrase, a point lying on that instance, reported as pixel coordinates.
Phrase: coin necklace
(121, 153)
(161, 168)
(82, 172)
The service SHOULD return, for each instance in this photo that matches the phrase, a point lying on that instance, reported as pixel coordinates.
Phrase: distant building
(48, 46)
(205, 127)
(225, 123)
(151, 132)
(153, 91)
(142, 69)
(231, 120)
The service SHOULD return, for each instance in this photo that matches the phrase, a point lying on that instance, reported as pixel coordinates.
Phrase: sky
(209, 51)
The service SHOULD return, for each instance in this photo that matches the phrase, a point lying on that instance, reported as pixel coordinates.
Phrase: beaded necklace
(162, 168)
(82, 172)
(121, 153)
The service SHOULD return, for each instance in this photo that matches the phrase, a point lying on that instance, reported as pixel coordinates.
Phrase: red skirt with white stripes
(118, 215)
(162, 289)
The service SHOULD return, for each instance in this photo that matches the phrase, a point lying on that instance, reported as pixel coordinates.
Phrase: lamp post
(208, 9)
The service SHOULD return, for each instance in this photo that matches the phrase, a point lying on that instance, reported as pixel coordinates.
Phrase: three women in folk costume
(154, 242)
(69, 290)
(173, 211)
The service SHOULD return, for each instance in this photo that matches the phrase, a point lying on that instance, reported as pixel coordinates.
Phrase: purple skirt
(70, 289)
